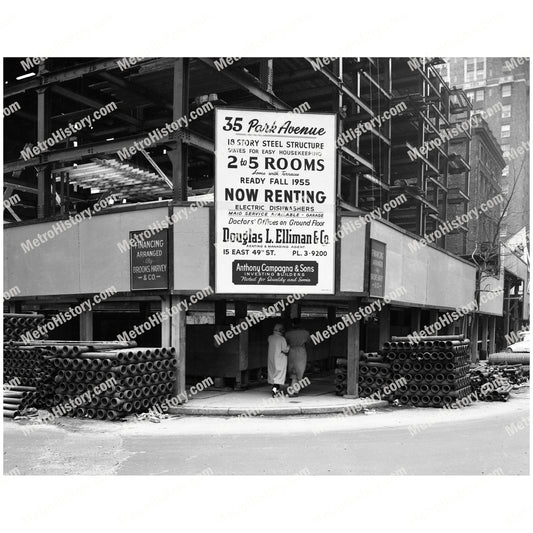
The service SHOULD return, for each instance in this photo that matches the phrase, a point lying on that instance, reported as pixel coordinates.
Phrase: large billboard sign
(275, 192)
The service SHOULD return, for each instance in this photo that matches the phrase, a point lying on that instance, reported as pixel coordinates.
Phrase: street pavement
(477, 440)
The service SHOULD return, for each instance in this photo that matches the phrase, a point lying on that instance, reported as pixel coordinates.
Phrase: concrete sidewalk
(318, 398)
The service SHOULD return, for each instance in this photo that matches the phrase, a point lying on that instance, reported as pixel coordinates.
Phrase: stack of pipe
(17, 398)
(136, 379)
(374, 374)
(341, 373)
(435, 369)
(23, 363)
(17, 324)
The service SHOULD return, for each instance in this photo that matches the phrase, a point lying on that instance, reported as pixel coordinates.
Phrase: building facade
(484, 189)
(502, 82)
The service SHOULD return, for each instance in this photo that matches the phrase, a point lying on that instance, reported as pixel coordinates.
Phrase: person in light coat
(277, 359)
(297, 338)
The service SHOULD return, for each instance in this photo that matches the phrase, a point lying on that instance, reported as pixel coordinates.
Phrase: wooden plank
(178, 341)
(241, 311)
(352, 351)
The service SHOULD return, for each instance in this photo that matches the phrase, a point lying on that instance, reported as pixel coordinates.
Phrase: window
(474, 69)
(505, 148)
(506, 130)
(470, 69)
(506, 90)
(480, 95)
(470, 95)
(480, 68)
(482, 153)
(505, 171)
(506, 111)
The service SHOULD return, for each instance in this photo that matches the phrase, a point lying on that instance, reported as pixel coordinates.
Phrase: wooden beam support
(241, 312)
(484, 336)
(352, 378)
(178, 341)
(492, 335)
(474, 336)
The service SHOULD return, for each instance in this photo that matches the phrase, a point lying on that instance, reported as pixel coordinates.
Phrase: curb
(272, 411)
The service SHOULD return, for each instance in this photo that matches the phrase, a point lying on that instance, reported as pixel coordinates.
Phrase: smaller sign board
(378, 255)
(149, 260)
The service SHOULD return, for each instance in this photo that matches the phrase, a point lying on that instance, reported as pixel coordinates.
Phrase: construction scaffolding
(387, 109)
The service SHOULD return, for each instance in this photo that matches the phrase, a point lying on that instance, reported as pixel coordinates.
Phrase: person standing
(297, 337)
(277, 359)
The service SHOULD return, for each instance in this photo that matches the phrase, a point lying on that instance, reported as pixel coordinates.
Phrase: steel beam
(342, 87)
(157, 168)
(424, 159)
(376, 84)
(135, 89)
(358, 158)
(248, 82)
(49, 78)
(92, 150)
(95, 104)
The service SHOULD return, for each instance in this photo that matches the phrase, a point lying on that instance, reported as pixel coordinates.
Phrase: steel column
(179, 155)
(44, 180)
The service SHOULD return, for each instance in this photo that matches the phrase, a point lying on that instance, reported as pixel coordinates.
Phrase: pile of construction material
(341, 375)
(18, 324)
(104, 380)
(516, 374)
(495, 383)
(26, 364)
(135, 379)
(435, 369)
(17, 398)
(374, 374)
(23, 365)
